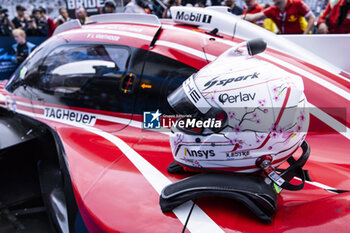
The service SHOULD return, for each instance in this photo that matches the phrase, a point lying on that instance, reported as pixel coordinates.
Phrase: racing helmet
(235, 111)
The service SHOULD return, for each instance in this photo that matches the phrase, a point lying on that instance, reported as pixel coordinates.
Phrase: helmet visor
(180, 102)
(188, 100)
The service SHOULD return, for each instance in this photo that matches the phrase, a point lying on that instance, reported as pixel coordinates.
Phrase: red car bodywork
(118, 172)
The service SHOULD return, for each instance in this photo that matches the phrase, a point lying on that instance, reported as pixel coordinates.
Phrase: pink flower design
(236, 141)
(237, 129)
(273, 128)
(280, 130)
(266, 110)
(287, 134)
(262, 136)
(255, 115)
(258, 121)
(275, 98)
(178, 140)
(262, 102)
(301, 117)
(231, 114)
(275, 89)
(196, 163)
(274, 134)
(299, 128)
(269, 148)
(258, 141)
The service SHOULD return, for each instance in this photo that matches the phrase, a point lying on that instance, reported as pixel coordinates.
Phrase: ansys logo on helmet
(155, 120)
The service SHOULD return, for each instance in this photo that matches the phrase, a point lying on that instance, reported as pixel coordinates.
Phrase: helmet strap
(295, 169)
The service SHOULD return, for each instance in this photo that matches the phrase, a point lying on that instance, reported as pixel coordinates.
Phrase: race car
(76, 154)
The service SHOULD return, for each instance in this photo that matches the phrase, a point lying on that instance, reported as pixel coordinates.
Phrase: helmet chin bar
(255, 192)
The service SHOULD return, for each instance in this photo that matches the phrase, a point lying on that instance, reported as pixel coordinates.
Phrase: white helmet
(250, 108)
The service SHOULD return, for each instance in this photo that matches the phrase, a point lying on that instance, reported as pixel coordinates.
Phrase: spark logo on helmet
(193, 17)
(199, 153)
(224, 82)
(241, 97)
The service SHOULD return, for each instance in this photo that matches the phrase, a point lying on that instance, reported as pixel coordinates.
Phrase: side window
(87, 76)
(26, 70)
(161, 76)
(69, 69)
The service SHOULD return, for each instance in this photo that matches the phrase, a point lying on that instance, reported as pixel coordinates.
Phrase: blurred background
(24, 24)
(317, 6)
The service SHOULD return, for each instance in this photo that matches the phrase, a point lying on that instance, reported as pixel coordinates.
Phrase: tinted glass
(161, 76)
(88, 76)
(70, 69)
(97, 76)
(82, 75)
(26, 70)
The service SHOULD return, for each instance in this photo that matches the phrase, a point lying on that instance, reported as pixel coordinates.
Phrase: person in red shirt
(335, 18)
(50, 23)
(286, 14)
(253, 7)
